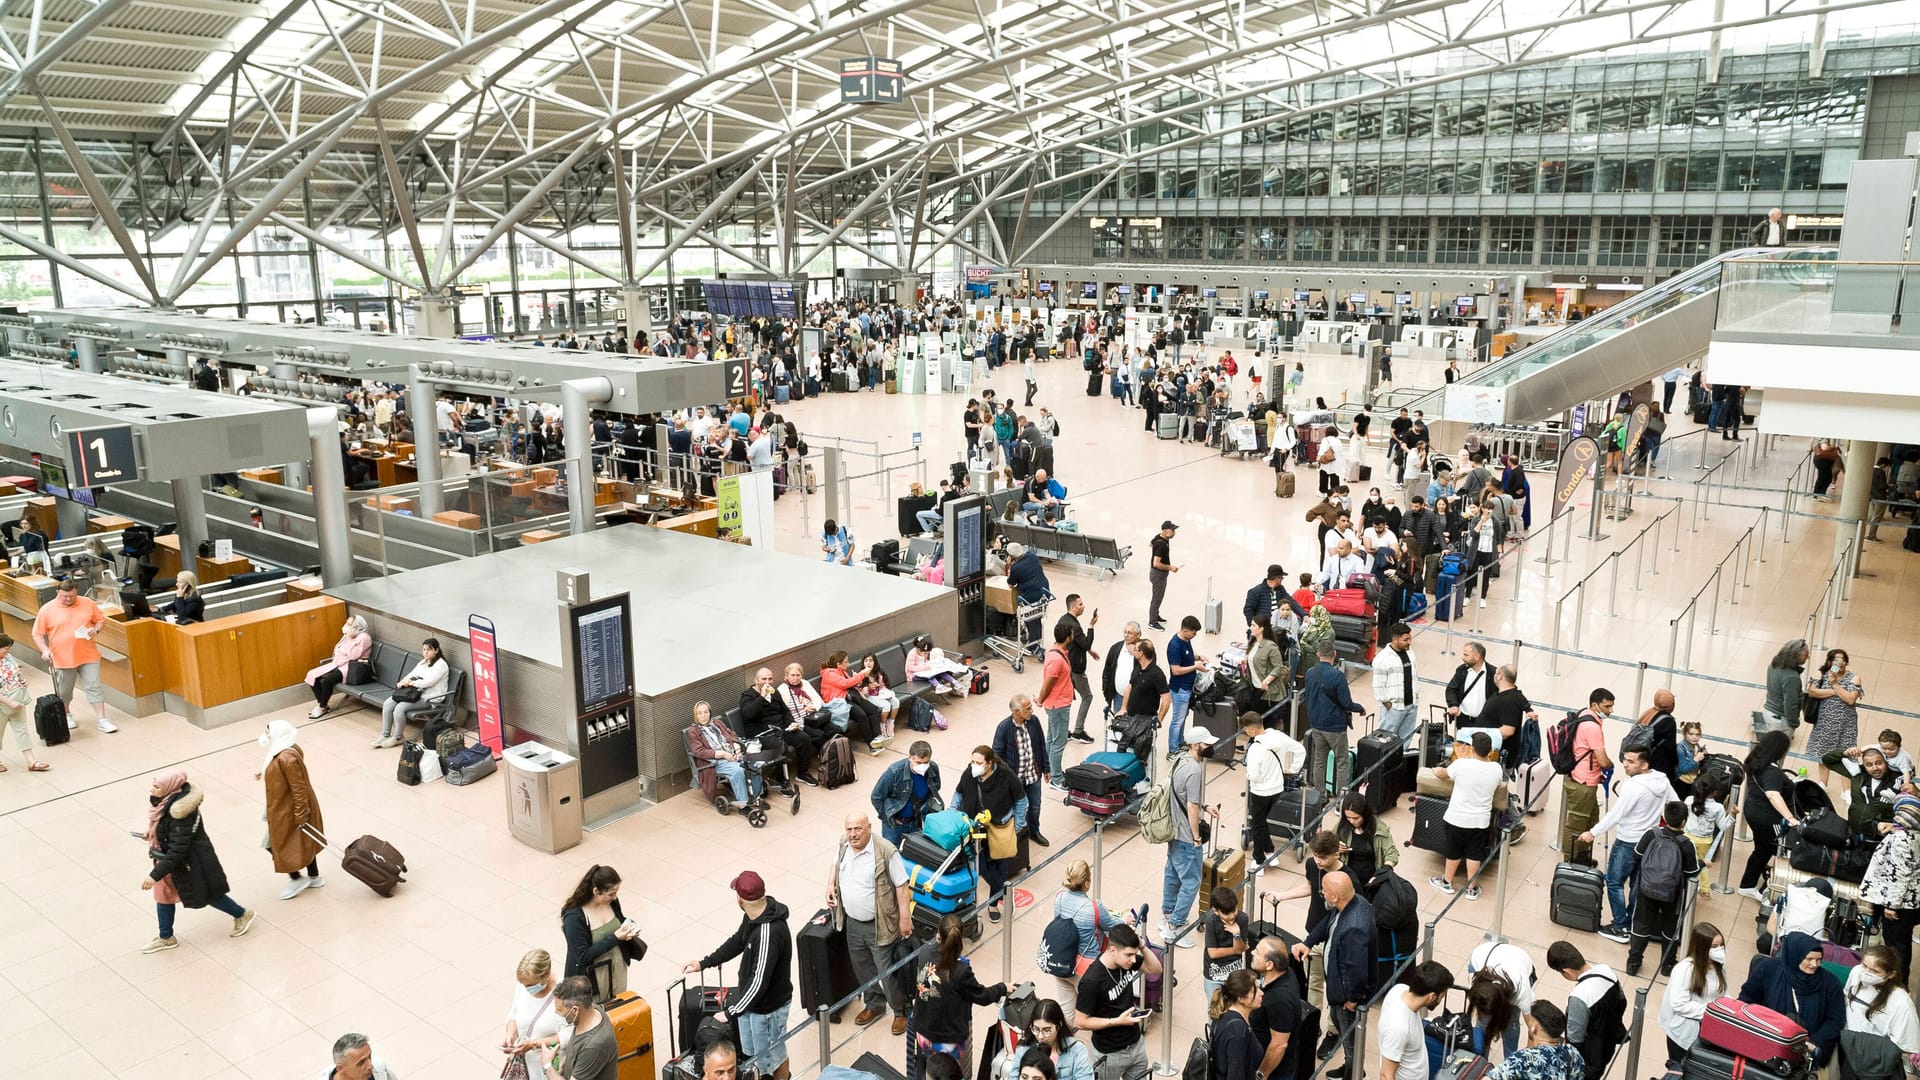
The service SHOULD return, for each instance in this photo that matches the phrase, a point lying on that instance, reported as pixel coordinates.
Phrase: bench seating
(1102, 553)
(391, 664)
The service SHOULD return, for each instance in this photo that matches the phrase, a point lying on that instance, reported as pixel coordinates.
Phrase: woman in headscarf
(1892, 881)
(354, 644)
(1513, 481)
(293, 814)
(1793, 982)
(185, 868)
(1318, 628)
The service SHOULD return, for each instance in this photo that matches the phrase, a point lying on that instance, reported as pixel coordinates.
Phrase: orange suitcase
(632, 1020)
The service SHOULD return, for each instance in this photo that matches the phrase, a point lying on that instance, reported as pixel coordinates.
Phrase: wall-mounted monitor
(1090, 290)
(53, 481)
(1303, 294)
(1403, 298)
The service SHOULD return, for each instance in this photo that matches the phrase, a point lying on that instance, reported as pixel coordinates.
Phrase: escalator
(1667, 326)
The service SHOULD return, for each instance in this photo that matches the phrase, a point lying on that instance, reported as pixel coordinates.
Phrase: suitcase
(1167, 426)
(942, 892)
(371, 860)
(919, 849)
(1346, 602)
(1296, 812)
(1283, 484)
(1352, 627)
(781, 394)
(50, 719)
(845, 380)
(1575, 898)
(1464, 1065)
(1428, 830)
(1153, 986)
(885, 556)
(1414, 606)
(1213, 615)
(696, 1004)
(1754, 1032)
(1100, 806)
(825, 968)
(1382, 767)
(926, 923)
(1444, 589)
(1134, 769)
(1437, 746)
(1226, 866)
(1096, 779)
(1532, 783)
(1705, 1062)
(632, 1020)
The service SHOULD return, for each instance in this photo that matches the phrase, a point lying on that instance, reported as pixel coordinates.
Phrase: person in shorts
(1108, 1006)
(1468, 822)
(64, 633)
(764, 945)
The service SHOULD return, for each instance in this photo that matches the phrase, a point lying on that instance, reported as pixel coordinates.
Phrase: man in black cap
(1161, 565)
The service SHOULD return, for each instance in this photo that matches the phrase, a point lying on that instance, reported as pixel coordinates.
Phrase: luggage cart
(1015, 649)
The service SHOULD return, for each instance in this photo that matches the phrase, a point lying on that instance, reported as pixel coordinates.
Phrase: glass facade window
(1510, 241)
(1312, 243)
(1269, 240)
(1184, 239)
(1565, 241)
(1146, 242)
(1109, 240)
(1407, 241)
(1685, 240)
(1458, 242)
(1754, 172)
(1803, 174)
(1226, 241)
(1359, 240)
(1690, 172)
(1623, 242)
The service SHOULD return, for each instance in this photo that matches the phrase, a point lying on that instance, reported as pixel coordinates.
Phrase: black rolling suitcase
(1429, 832)
(697, 1003)
(1575, 897)
(1295, 813)
(50, 719)
(1386, 771)
(825, 967)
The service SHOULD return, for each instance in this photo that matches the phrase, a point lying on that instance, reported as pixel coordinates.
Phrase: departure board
(782, 296)
(602, 653)
(970, 549)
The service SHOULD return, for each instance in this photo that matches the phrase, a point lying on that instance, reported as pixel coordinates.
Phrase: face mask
(153, 800)
(1718, 954)
(1868, 978)
(978, 770)
(535, 991)
(919, 768)
(263, 740)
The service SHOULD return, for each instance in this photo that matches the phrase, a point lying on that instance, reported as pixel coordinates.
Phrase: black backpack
(836, 758)
(1606, 1027)
(1663, 869)
(1396, 904)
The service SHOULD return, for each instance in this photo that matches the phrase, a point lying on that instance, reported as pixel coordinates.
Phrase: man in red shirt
(1056, 696)
(64, 632)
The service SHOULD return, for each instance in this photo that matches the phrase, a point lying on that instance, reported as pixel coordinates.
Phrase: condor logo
(1576, 464)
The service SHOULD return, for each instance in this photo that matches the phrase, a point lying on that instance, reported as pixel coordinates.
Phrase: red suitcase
(1097, 805)
(1346, 602)
(1753, 1031)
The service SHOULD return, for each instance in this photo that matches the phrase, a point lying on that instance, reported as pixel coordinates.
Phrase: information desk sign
(871, 80)
(101, 456)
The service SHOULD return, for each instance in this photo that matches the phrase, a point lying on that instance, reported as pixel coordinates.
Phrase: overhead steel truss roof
(686, 115)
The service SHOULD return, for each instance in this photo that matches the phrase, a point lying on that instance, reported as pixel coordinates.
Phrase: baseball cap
(1201, 735)
(748, 885)
(1168, 525)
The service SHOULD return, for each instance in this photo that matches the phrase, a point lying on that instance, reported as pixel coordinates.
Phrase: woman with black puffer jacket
(185, 868)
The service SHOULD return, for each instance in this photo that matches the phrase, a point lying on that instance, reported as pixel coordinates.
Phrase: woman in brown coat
(291, 805)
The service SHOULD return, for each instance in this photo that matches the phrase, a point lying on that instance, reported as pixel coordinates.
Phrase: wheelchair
(756, 809)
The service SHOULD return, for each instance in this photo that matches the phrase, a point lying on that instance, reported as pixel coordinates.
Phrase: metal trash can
(543, 797)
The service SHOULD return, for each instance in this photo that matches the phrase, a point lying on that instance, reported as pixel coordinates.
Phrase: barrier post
(823, 1021)
(1166, 1066)
(1500, 884)
(1764, 511)
(1357, 1045)
(1713, 613)
(1478, 579)
(1726, 863)
(1613, 585)
(1516, 654)
(1426, 941)
(1637, 1031)
(1099, 854)
(1693, 629)
(1579, 615)
(1639, 683)
(1640, 557)
(1560, 825)
(1673, 641)
(1553, 657)
(1553, 523)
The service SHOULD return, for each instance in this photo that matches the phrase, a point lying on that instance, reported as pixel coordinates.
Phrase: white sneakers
(295, 886)
(106, 726)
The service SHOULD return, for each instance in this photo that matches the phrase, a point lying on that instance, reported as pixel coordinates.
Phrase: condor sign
(1577, 462)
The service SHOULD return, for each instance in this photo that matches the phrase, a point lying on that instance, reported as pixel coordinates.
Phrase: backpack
(1639, 739)
(919, 714)
(1199, 1064)
(1156, 812)
(836, 757)
(1606, 1027)
(1527, 750)
(1560, 739)
(1059, 947)
(1663, 869)
(1396, 904)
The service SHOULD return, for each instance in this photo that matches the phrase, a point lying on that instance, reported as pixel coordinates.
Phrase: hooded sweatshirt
(765, 948)
(1778, 983)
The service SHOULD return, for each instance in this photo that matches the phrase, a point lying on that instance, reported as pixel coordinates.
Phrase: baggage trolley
(1015, 649)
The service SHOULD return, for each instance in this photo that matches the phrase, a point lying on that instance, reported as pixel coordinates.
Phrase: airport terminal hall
(939, 540)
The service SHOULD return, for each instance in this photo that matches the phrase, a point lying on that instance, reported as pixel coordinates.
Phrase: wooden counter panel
(166, 557)
(254, 652)
(27, 592)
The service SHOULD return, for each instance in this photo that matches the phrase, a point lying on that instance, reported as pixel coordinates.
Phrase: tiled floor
(428, 974)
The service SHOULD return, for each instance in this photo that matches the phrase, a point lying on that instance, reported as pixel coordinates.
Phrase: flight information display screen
(602, 653)
(780, 296)
(970, 545)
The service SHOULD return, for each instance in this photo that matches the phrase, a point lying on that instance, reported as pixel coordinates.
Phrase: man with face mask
(867, 889)
(906, 792)
(1546, 1054)
(1403, 1035)
(765, 948)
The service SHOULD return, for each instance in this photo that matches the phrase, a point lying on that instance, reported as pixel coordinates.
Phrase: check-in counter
(132, 659)
(244, 656)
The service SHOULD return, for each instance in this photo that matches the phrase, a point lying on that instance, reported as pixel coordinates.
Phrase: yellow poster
(727, 493)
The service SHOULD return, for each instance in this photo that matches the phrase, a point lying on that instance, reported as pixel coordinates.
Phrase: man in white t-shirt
(1403, 1035)
(1469, 815)
(1516, 964)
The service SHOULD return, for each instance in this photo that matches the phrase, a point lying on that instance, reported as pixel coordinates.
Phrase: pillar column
(577, 399)
(906, 291)
(190, 511)
(1853, 496)
(178, 358)
(434, 317)
(421, 399)
(89, 353)
(329, 497)
(633, 300)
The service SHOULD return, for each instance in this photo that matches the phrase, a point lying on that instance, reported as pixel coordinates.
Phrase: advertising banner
(1577, 463)
(1637, 429)
(486, 683)
(727, 496)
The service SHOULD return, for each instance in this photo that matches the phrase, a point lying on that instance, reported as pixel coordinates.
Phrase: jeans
(764, 1036)
(1177, 718)
(870, 960)
(896, 831)
(1083, 690)
(1622, 865)
(929, 520)
(394, 714)
(1026, 811)
(739, 779)
(1509, 1039)
(1180, 883)
(166, 911)
(1319, 745)
(1057, 719)
(1401, 721)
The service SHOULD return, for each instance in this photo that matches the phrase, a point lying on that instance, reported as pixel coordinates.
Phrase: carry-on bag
(695, 1005)
(632, 1021)
(1755, 1032)
(50, 719)
(1576, 895)
(824, 966)
(1093, 778)
(372, 861)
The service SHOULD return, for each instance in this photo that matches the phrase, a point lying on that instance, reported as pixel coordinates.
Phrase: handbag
(406, 693)
(1003, 841)
(358, 672)
(1810, 705)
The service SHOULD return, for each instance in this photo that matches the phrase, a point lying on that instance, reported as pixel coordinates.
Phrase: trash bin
(543, 797)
